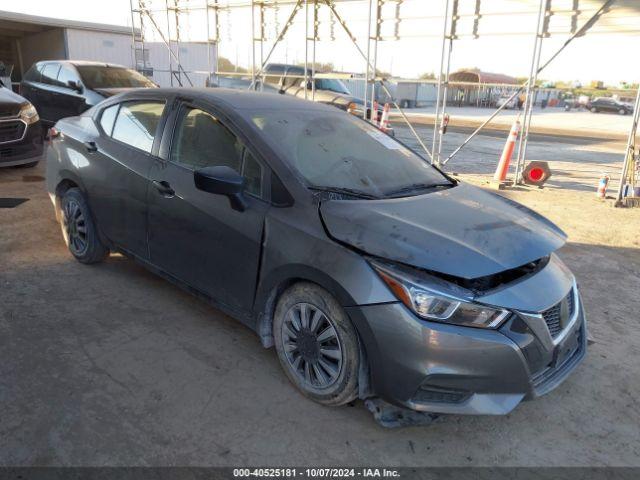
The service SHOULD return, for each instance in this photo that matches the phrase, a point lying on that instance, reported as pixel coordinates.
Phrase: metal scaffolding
(457, 19)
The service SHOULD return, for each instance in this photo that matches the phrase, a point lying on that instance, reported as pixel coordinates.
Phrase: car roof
(234, 99)
(80, 63)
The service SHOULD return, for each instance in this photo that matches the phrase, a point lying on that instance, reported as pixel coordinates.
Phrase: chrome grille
(552, 316)
(11, 131)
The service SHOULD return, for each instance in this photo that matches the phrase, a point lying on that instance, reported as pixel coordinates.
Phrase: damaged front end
(487, 314)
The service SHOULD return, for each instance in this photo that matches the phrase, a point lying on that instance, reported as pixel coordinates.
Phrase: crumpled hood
(462, 231)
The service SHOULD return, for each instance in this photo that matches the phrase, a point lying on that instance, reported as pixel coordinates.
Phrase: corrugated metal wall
(99, 46)
(116, 48)
(193, 58)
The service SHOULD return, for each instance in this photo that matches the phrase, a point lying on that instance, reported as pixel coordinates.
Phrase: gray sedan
(374, 274)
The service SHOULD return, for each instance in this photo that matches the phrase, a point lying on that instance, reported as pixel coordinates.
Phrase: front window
(201, 140)
(94, 76)
(336, 151)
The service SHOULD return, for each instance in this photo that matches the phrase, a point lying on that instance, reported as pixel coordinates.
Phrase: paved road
(554, 121)
(576, 163)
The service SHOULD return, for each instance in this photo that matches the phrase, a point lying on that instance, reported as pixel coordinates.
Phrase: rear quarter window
(108, 117)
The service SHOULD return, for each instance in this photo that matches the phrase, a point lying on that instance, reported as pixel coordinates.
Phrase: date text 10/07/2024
(316, 472)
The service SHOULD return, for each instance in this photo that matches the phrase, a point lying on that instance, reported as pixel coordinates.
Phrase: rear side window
(50, 73)
(108, 118)
(137, 122)
(201, 140)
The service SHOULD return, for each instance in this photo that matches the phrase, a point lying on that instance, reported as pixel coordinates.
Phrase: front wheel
(317, 345)
(622, 111)
(79, 230)
(594, 110)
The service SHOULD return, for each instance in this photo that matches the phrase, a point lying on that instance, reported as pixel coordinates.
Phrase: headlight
(437, 300)
(29, 114)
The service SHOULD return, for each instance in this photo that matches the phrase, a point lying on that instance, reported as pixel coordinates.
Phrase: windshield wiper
(344, 191)
(418, 186)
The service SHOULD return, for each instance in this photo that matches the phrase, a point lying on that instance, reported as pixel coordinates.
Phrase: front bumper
(440, 368)
(27, 149)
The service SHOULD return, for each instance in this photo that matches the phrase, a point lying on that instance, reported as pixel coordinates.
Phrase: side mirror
(74, 85)
(222, 180)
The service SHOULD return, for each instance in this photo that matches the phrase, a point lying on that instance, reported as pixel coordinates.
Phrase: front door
(196, 236)
(70, 101)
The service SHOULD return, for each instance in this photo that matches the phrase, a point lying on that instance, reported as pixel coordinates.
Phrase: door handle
(91, 147)
(164, 188)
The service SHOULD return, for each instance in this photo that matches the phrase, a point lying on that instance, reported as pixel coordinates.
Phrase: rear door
(117, 179)
(194, 235)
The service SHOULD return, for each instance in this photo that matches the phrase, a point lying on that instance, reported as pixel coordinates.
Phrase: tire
(79, 230)
(622, 111)
(327, 379)
(594, 110)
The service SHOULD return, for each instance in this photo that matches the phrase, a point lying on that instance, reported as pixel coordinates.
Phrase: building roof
(19, 24)
(477, 76)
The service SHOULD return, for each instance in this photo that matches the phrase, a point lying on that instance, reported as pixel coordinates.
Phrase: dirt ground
(110, 365)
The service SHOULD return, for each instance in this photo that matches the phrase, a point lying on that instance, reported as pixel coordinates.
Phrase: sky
(593, 57)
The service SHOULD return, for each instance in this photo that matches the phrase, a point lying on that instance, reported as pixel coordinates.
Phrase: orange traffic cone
(507, 154)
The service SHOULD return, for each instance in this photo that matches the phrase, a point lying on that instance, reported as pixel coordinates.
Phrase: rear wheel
(594, 110)
(622, 111)
(317, 345)
(79, 230)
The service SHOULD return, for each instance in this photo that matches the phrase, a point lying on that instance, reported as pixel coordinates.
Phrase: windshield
(337, 151)
(94, 76)
(332, 84)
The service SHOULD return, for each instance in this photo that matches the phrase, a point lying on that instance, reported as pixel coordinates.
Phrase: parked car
(289, 79)
(606, 104)
(20, 130)
(372, 272)
(65, 88)
(506, 99)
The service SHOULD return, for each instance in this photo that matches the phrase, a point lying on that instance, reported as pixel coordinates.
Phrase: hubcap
(311, 345)
(75, 227)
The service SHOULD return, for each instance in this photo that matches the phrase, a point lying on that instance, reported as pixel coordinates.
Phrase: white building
(26, 39)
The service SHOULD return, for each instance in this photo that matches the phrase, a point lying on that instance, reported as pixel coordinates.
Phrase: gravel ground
(110, 365)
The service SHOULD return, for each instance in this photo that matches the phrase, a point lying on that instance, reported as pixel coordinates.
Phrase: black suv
(65, 88)
(605, 104)
(20, 130)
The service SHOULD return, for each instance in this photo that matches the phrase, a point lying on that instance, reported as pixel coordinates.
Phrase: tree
(225, 65)
(427, 76)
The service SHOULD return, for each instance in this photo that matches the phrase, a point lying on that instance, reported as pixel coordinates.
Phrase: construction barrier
(507, 153)
(374, 113)
(536, 173)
